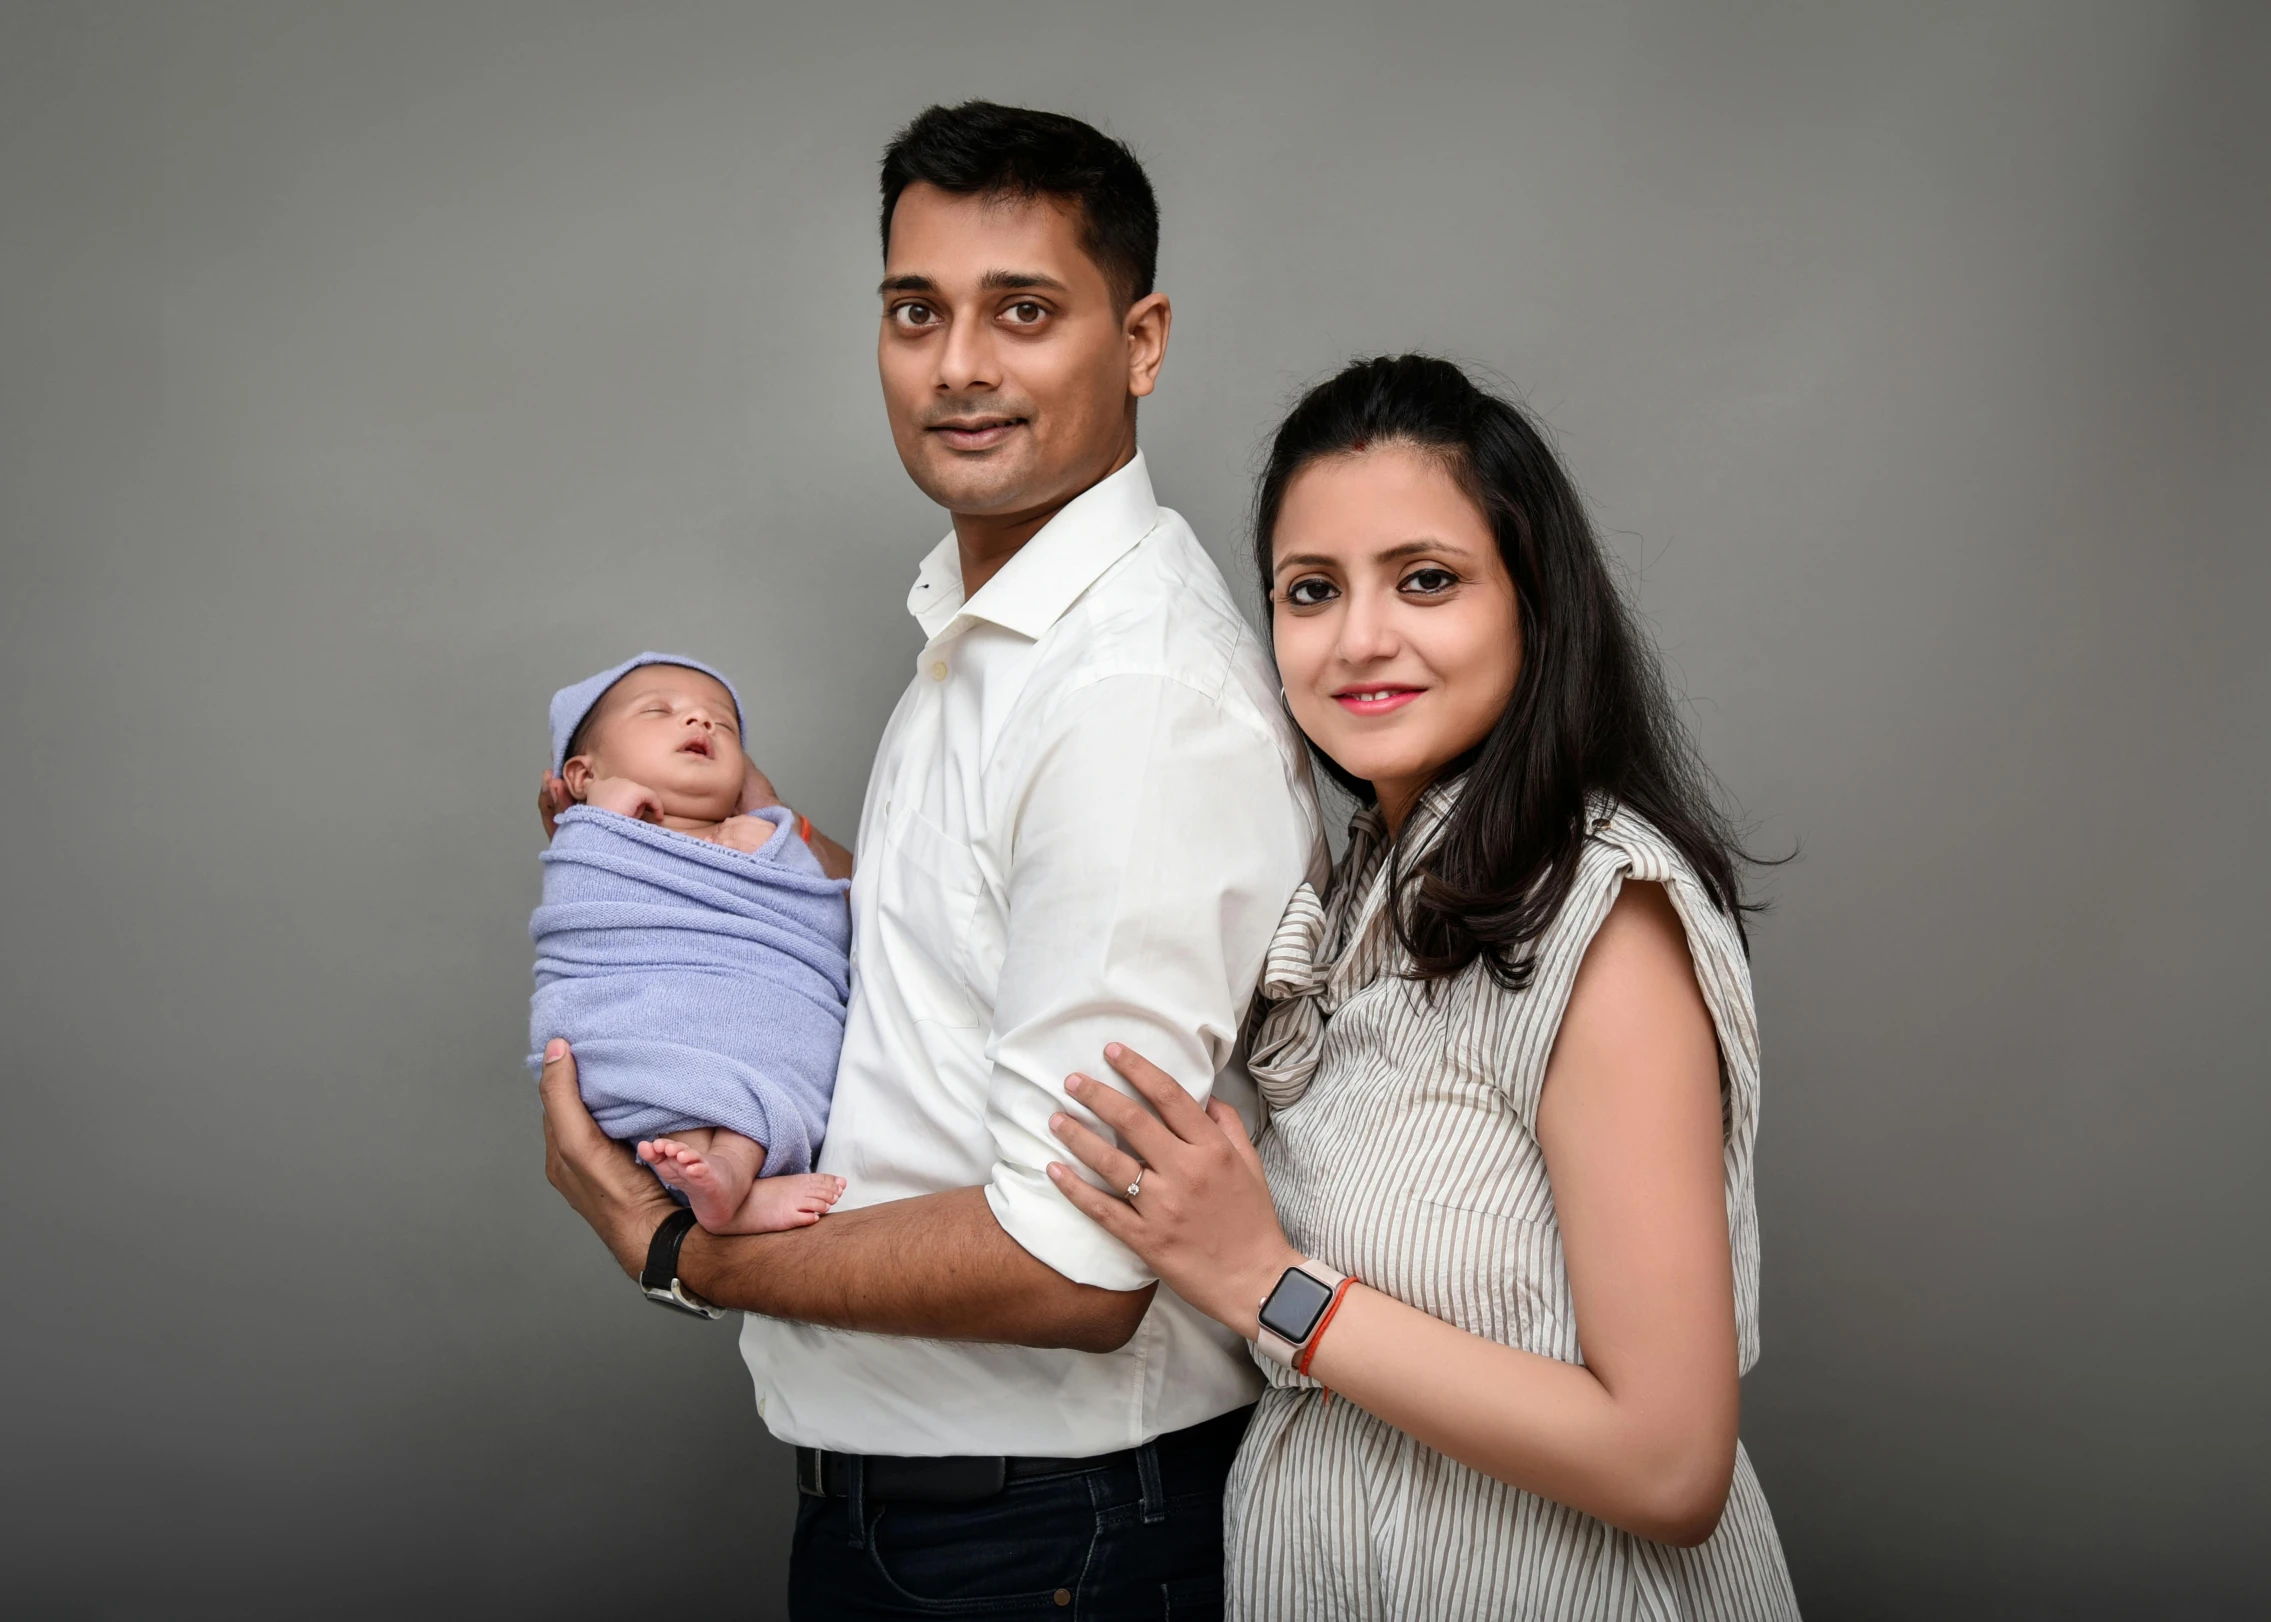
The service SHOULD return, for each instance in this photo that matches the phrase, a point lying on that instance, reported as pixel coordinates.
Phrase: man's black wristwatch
(660, 1279)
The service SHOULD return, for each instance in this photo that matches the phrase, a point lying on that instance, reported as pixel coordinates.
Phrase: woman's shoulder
(1622, 846)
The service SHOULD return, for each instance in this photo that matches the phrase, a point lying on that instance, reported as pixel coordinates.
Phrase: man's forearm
(938, 1266)
(834, 859)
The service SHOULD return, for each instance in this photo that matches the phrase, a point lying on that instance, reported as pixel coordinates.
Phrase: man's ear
(576, 772)
(1146, 325)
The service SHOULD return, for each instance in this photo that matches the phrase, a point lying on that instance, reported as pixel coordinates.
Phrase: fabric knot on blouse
(1311, 968)
(1291, 1036)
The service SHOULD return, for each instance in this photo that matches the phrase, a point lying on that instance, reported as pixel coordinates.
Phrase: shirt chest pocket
(926, 900)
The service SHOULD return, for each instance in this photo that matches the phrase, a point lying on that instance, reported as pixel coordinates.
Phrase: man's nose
(969, 362)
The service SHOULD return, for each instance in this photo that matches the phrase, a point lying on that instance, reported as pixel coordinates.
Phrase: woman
(1511, 1065)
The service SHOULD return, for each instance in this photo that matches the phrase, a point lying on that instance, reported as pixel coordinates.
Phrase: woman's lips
(976, 436)
(1376, 700)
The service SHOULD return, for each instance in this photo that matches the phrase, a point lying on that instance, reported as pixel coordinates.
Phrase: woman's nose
(1365, 632)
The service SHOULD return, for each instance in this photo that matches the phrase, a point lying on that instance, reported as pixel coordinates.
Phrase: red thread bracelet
(804, 828)
(1309, 1350)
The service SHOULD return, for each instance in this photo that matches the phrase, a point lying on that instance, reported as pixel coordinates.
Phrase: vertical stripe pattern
(1402, 1148)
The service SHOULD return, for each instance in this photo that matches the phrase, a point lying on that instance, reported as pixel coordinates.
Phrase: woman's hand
(1202, 1218)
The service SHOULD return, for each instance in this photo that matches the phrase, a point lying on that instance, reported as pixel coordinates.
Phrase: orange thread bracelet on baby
(1309, 1350)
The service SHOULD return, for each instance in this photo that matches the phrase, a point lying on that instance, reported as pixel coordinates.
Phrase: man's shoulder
(1162, 610)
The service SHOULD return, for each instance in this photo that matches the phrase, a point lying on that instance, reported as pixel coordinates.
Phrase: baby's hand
(745, 833)
(625, 798)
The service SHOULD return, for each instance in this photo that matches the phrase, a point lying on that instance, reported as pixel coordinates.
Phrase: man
(1085, 818)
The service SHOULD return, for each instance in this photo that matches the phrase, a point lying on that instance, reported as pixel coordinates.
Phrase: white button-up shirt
(1085, 820)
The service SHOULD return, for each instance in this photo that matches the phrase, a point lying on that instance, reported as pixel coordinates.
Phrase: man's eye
(915, 315)
(1310, 592)
(1026, 313)
(1430, 581)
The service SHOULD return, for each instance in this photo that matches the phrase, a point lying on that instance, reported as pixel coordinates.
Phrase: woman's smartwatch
(1294, 1311)
(659, 1279)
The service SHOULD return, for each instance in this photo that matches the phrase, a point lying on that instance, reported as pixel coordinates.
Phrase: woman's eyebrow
(1393, 554)
(1420, 547)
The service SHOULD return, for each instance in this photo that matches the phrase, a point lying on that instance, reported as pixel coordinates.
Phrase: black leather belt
(968, 1479)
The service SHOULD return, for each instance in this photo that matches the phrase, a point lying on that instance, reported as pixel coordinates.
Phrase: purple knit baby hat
(571, 704)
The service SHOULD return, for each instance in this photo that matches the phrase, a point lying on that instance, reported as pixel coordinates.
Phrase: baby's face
(671, 730)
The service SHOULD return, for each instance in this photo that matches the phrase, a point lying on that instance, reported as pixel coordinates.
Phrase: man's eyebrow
(1003, 281)
(994, 281)
(1408, 549)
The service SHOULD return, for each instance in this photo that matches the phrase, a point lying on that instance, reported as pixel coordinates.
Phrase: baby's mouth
(697, 746)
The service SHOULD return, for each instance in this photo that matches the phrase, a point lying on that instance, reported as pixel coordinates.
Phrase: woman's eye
(1309, 593)
(1429, 582)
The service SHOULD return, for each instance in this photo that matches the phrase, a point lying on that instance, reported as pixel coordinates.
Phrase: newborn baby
(693, 958)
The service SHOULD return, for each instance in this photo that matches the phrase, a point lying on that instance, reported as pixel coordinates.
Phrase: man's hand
(756, 788)
(608, 1188)
(936, 1265)
(552, 799)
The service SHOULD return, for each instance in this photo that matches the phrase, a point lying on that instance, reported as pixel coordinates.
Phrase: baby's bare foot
(775, 1203)
(713, 1197)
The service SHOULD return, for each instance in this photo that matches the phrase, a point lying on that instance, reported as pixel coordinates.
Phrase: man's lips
(975, 433)
(1377, 700)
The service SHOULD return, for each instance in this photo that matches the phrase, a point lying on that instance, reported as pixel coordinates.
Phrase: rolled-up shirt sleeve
(1156, 843)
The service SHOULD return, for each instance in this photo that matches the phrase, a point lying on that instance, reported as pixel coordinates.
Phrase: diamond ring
(1137, 1185)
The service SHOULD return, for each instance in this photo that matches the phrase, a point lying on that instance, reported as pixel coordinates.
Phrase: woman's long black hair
(1589, 713)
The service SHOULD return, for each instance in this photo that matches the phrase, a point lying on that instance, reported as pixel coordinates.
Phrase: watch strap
(1275, 1346)
(659, 1279)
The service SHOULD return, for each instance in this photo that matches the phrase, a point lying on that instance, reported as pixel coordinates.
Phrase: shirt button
(938, 671)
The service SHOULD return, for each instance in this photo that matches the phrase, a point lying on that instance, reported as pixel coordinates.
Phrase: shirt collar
(1048, 573)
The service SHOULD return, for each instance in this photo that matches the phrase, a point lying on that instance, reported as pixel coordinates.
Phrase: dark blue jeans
(1135, 1534)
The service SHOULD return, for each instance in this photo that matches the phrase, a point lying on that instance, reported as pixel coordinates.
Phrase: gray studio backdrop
(368, 370)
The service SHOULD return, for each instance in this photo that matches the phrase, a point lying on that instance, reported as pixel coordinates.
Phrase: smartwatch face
(1294, 1306)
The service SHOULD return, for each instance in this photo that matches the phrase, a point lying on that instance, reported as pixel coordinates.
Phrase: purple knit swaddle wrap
(698, 985)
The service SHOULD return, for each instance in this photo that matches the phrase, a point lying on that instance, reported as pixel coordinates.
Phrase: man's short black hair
(982, 149)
